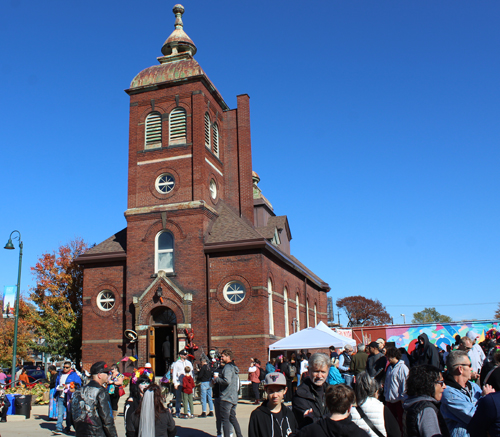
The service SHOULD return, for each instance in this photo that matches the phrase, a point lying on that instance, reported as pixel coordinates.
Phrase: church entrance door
(162, 339)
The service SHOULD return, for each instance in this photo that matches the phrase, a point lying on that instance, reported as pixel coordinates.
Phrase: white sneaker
(231, 435)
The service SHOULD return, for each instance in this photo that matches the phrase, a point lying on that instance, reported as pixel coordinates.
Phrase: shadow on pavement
(191, 432)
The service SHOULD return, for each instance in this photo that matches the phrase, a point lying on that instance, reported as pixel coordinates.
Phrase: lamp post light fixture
(10, 246)
(404, 319)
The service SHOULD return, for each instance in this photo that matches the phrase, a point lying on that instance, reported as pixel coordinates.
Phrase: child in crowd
(187, 393)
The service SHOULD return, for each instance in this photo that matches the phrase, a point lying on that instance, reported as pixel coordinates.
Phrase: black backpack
(262, 374)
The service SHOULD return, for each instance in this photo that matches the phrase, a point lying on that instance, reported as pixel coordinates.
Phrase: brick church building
(203, 248)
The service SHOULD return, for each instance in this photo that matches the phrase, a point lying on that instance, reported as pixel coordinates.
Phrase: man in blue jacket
(64, 391)
(460, 396)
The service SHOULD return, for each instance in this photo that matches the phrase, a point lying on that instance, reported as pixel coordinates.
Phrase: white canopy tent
(320, 337)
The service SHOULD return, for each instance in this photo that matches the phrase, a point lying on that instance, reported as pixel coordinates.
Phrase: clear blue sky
(375, 128)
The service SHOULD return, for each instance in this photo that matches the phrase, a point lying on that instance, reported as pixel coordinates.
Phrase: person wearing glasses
(461, 395)
(67, 381)
(91, 406)
(421, 416)
(271, 418)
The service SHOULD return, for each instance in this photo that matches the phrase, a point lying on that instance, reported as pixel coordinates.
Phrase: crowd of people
(379, 390)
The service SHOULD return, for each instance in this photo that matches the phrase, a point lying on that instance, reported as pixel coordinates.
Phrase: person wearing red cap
(91, 406)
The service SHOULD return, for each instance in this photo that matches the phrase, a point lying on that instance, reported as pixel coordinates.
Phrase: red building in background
(203, 248)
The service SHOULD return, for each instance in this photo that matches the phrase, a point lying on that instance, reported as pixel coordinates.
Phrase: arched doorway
(162, 335)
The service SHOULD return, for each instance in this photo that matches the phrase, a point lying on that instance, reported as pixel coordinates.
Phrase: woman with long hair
(152, 419)
(115, 381)
(137, 388)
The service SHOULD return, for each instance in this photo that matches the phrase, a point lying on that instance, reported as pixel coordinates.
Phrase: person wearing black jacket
(205, 376)
(286, 369)
(272, 418)
(376, 363)
(427, 352)
(91, 406)
(308, 404)
(339, 400)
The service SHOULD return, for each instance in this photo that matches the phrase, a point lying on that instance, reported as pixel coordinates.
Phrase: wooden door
(152, 352)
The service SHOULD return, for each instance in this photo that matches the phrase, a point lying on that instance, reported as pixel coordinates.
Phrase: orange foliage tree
(363, 311)
(25, 335)
(58, 297)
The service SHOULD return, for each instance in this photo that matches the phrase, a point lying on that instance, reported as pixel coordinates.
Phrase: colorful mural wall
(441, 334)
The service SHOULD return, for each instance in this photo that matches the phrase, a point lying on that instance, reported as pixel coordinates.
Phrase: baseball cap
(472, 335)
(99, 367)
(147, 365)
(275, 378)
(183, 352)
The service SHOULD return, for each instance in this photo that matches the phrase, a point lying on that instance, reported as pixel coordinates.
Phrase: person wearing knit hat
(272, 417)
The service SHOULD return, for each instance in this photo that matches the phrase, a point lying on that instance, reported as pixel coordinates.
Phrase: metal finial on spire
(178, 11)
(178, 42)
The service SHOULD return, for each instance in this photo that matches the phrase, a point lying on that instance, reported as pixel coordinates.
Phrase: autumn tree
(363, 311)
(430, 315)
(497, 313)
(58, 296)
(25, 335)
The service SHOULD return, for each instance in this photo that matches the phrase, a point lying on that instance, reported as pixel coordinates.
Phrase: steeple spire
(178, 42)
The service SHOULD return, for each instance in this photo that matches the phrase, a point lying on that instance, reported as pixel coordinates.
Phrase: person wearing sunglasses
(461, 395)
(66, 378)
(421, 416)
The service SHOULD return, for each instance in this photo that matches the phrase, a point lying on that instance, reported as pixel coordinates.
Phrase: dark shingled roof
(115, 243)
(229, 227)
(272, 223)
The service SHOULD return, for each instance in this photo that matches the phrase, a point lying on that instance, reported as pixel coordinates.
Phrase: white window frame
(208, 138)
(307, 313)
(153, 130)
(285, 298)
(270, 306)
(169, 184)
(107, 297)
(157, 252)
(298, 312)
(215, 139)
(315, 315)
(177, 126)
(228, 290)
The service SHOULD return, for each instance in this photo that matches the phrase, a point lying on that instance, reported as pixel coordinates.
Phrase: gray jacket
(229, 383)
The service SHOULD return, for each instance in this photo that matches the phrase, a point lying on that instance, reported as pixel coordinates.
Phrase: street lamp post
(404, 319)
(10, 246)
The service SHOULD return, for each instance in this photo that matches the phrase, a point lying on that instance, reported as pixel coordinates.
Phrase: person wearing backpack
(254, 377)
(289, 371)
(91, 406)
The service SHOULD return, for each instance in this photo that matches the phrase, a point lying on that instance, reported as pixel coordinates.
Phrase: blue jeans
(206, 392)
(61, 409)
(348, 379)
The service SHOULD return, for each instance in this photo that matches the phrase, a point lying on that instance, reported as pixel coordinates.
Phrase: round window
(213, 189)
(234, 292)
(106, 300)
(165, 183)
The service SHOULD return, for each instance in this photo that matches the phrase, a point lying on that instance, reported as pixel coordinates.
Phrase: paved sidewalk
(39, 425)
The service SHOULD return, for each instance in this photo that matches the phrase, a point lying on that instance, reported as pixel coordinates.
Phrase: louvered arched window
(298, 312)
(153, 130)
(207, 130)
(177, 126)
(270, 306)
(215, 139)
(285, 299)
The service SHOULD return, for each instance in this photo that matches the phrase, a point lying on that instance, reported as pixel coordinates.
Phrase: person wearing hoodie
(308, 404)
(272, 418)
(421, 417)
(339, 401)
(229, 384)
(427, 352)
(461, 395)
(395, 384)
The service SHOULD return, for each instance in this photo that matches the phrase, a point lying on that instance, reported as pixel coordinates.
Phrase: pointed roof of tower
(178, 41)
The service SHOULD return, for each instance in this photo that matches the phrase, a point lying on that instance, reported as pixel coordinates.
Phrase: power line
(444, 305)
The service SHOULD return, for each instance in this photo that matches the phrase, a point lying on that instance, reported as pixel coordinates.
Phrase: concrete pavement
(39, 425)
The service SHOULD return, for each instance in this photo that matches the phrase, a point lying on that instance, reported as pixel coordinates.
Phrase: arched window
(270, 304)
(215, 139)
(315, 315)
(164, 259)
(207, 130)
(298, 313)
(285, 298)
(177, 126)
(153, 130)
(307, 313)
